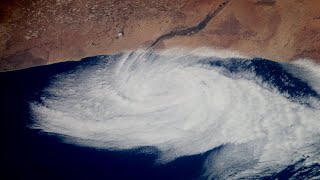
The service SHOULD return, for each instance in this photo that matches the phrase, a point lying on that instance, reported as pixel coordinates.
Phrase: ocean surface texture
(174, 114)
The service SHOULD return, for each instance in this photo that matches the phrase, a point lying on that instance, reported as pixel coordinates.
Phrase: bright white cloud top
(179, 103)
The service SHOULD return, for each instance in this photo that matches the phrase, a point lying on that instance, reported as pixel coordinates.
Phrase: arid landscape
(160, 89)
(42, 32)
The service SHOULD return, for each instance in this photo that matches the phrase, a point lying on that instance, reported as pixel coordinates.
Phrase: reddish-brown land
(38, 32)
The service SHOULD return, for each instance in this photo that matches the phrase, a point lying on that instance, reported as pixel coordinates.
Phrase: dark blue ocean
(32, 154)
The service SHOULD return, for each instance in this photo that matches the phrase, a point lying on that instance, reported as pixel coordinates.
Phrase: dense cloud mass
(186, 103)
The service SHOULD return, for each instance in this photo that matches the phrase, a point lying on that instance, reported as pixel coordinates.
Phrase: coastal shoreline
(40, 32)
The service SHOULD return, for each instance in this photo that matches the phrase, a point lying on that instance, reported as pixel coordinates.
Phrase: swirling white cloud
(178, 103)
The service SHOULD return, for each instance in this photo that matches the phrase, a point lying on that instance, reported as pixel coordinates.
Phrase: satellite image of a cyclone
(160, 89)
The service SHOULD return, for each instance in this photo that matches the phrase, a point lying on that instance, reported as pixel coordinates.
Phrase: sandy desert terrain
(38, 32)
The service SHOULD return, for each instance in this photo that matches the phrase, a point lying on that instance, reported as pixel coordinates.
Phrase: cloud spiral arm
(189, 103)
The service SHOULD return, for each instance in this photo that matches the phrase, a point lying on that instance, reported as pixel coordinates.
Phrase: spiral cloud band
(186, 103)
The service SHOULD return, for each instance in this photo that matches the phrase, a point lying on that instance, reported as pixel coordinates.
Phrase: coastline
(33, 35)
